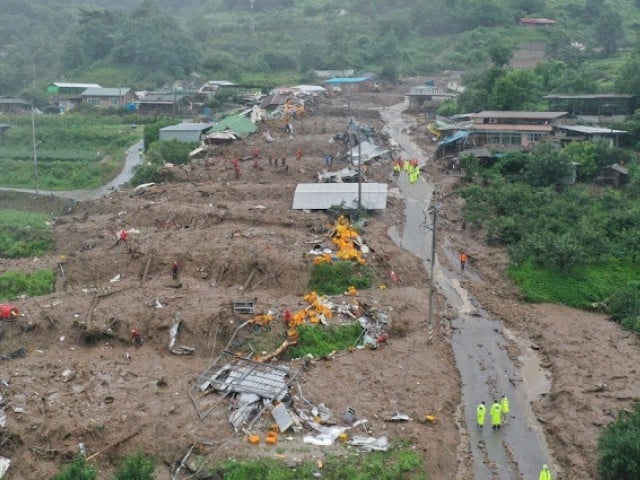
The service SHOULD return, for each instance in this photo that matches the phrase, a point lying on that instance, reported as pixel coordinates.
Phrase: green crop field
(73, 151)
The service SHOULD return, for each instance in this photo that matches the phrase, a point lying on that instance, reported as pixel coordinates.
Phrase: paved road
(517, 451)
(133, 158)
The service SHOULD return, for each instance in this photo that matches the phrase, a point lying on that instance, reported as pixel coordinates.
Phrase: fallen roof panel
(321, 196)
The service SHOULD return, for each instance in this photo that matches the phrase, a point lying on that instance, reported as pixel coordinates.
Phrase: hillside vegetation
(151, 42)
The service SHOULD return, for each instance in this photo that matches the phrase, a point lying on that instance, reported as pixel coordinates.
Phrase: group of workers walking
(498, 413)
(409, 166)
(498, 410)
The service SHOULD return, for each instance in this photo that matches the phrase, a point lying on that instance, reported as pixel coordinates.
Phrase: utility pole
(354, 130)
(432, 288)
(359, 174)
(33, 130)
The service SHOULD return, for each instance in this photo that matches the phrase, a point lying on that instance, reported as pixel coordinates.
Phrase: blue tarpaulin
(338, 80)
(459, 135)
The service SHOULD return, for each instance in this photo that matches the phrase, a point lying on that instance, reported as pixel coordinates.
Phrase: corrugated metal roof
(339, 80)
(590, 96)
(509, 127)
(187, 127)
(309, 89)
(459, 135)
(537, 21)
(428, 90)
(334, 73)
(619, 168)
(589, 130)
(321, 196)
(236, 123)
(162, 97)
(14, 101)
(105, 92)
(76, 85)
(368, 150)
(518, 115)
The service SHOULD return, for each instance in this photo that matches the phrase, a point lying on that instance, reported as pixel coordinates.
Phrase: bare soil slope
(82, 383)
(238, 240)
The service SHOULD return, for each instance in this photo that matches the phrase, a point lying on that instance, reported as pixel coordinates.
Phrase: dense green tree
(528, 6)
(628, 78)
(478, 88)
(500, 51)
(584, 154)
(608, 31)
(564, 251)
(484, 13)
(560, 77)
(546, 167)
(593, 9)
(517, 90)
(619, 447)
(449, 107)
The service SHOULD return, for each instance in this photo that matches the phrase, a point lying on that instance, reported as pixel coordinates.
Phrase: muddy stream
(518, 450)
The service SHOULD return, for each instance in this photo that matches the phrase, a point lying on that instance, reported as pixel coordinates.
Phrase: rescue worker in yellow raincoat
(496, 415)
(481, 412)
(545, 473)
(504, 404)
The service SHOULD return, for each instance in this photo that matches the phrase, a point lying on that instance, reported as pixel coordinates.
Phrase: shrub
(138, 466)
(146, 173)
(624, 307)
(335, 278)
(79, 469)
(619, 447)
(320, 341)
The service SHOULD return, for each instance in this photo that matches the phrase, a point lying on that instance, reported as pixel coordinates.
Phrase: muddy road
(480, 343)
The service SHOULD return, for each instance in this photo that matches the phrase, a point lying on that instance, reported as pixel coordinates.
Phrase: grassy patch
(336, 277)
(14, 284)
(320, 341)
(579, 288)
(24, 234)
(399, 462)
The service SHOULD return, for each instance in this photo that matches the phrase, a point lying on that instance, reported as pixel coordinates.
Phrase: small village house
(14, 105)
(185, 132)
(596, 108)
(512, 129)
(427, 99)
(66, 95)
(107, 97)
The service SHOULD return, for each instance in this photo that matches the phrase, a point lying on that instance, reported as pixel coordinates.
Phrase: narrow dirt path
(518, 450)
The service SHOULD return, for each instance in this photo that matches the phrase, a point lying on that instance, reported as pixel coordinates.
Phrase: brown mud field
(82, 385)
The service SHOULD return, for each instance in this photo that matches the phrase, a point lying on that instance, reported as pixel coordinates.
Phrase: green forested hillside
(144, 44)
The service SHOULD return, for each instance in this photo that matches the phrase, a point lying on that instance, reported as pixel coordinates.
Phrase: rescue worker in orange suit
(174, 270)
(8, 312)
(236, 168)
(135, 338)
(464, 258)
(299, 154)
(122, 236)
